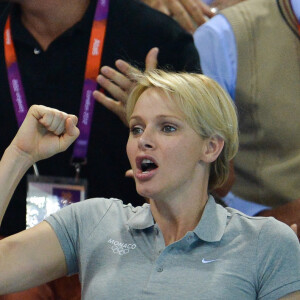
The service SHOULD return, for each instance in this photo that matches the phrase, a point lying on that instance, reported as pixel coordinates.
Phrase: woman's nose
(145, 141)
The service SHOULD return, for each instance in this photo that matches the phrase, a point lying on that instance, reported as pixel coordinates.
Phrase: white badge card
(46, 195)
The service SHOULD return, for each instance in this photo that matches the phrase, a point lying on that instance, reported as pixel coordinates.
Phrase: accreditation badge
(46, 195)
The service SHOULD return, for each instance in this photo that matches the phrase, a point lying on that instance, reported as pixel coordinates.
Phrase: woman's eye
(136, 130)
(168, 128)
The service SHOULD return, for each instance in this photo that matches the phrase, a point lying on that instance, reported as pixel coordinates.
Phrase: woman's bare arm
(33, 256)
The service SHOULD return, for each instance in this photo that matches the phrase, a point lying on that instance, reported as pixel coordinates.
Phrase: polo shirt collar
(210, 228)
(142, 219)
(212, 223)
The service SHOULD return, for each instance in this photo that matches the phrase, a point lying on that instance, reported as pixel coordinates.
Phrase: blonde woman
(182, 245)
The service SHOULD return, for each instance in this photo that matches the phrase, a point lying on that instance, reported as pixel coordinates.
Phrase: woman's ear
(212, 148)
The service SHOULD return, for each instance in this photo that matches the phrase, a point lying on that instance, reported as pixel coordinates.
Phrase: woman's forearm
(13, 166)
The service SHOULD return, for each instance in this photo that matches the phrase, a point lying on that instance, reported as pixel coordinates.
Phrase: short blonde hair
(208, 109)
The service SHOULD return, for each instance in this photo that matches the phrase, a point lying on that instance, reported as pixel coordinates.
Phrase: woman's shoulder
(98, 207)
(263, 228)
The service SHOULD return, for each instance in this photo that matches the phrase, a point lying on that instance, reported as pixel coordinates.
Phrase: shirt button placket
(159, 269)
(190, 238)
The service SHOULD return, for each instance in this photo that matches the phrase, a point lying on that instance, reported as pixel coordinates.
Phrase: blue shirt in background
(216, 45)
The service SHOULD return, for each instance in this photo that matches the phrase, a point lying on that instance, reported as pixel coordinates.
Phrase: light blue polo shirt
(120, 253)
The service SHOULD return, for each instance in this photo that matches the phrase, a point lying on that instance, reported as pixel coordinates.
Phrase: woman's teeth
(147, 165)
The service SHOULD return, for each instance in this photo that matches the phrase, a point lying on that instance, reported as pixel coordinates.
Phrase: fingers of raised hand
(54, 121)
(161, 6)
(207, 10)
(109, 103)
(117, 84)
(70, 126)
(129, 173)
(71, 133)
(181, 15)
(117, 107)
(128, 70)
(151, 59)
(74, 119)
(195, 10)
(120, 78)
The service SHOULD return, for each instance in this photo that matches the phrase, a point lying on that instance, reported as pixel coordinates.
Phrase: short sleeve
(278, 261)
(66, 234)
(74, 223)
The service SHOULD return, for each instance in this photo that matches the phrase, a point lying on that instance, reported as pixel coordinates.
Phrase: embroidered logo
(120, 248)
(204, 261)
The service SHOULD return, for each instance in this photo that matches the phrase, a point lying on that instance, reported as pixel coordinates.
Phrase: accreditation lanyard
(93, 63)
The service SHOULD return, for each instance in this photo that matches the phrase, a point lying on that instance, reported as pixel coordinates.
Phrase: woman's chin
(146, 192)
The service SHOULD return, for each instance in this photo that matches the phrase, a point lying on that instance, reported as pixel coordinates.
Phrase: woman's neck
(46, 20)
(178, 216)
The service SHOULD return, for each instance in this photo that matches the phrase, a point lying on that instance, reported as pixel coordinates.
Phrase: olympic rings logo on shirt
(119, 251)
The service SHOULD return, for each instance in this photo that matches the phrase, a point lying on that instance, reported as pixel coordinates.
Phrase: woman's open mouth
(146, 167)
